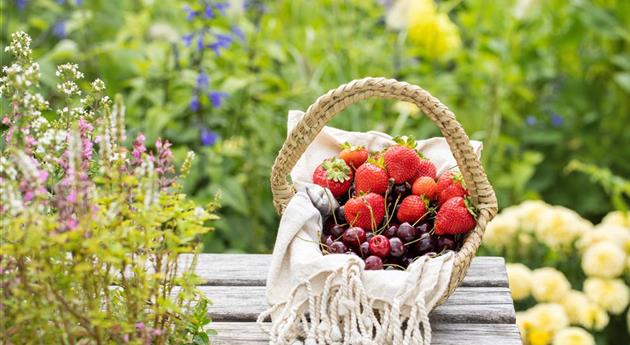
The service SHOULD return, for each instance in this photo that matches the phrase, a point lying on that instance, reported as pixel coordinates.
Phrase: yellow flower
(592, 316)
(573, 336)
(615, 234)
(431, 32)
(528, 213)
(406, 108)
(574, 302)
(549, 285)
(560, 226)
(397, 17)
(604, 259)
(520, 278)
(619, 218)
(539, 337)
(549, 317)
(501, 231)
(610, 294)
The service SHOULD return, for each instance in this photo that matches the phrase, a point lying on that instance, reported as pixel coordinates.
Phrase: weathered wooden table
(479, 312)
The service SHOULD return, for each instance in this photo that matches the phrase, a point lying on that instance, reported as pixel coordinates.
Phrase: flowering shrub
(560, 303)
(92, 232)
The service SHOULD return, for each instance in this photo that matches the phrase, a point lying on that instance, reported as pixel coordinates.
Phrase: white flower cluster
(98, 85)
(20, 45)
(69, 71)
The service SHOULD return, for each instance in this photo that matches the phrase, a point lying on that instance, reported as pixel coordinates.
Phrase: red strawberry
(402, 161)
(354, 156)
(427, 168)
(335, 175)
(454, 218)
(371, 177)
(450, 185)
(412, 209)
(366, 211)
(425, 185)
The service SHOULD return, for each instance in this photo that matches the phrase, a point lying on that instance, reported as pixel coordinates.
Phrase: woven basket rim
(336, 100)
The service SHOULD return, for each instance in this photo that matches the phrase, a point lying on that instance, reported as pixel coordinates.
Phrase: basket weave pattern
(336, 100)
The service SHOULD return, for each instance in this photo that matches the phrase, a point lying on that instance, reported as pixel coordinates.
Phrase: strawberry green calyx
(378, 161)
(336, 170)
(406, 141)
(347, 146)
(470, 207)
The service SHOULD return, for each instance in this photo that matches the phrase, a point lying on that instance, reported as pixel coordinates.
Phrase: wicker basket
(336, 100)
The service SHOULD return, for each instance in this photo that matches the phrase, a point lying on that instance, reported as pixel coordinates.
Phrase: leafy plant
(93, 234)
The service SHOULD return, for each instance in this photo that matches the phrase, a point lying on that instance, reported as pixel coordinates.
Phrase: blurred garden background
(544, 84)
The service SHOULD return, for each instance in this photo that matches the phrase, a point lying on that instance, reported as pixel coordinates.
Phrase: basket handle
(336, 100)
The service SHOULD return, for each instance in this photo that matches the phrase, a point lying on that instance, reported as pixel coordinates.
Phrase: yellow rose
(527, 214)
(581, 311)
(610, 294)
(520, 278)
(615, 234)
(549, 284)
(604, 259)
(549, 317)
(501, 231)
(592, 316)
(559, 227)
(573, 336)
(574, 302)
(619, 218)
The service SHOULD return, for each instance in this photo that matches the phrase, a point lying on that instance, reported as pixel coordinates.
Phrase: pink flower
(6, 120)
(138, 149)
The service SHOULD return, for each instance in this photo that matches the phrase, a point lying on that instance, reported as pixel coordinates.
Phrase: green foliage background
(564, 65)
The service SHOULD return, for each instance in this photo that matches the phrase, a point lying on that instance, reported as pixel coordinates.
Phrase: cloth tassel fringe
(344, 315)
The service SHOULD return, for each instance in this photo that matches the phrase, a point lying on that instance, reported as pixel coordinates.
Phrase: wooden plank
(492, 305)
(249, 333)
(251, 270)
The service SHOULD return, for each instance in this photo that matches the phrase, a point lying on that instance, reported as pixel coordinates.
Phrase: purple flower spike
(208, 137)
(217, 97)
(194, 103)
(238, 32)
(59, 29)
(190, 13)
(531, 120)
(208, 12)
(187, 39)
(221, 7)
(21, 4)
(557, 120)
(202, 80)
(200, 43)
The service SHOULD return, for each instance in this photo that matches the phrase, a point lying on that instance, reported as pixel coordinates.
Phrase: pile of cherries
(392, 245)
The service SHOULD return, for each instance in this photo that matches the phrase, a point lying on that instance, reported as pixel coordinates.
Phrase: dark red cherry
(364, 249)
(337, 248)
(336, 231)
(406, 232)
(398, 249)
(373, 263)
(354, 236)
(390, 231)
